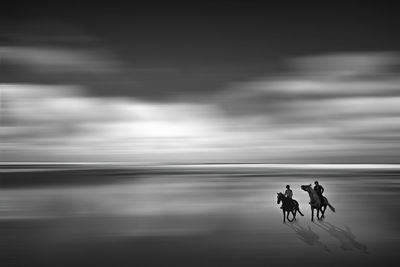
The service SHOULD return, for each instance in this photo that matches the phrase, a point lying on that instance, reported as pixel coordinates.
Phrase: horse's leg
(290, 220)
(312, 214)
(318, 218)
(323, 211)
(294, 214)
(284, 215)
(287, 216)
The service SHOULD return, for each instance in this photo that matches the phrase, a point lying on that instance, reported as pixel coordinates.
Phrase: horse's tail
(331, 207)
(300, 211)
(297, 207)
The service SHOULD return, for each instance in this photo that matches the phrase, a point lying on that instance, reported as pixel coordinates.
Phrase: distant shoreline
(4, 165)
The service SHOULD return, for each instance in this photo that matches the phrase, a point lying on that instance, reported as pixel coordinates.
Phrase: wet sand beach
(196, 217)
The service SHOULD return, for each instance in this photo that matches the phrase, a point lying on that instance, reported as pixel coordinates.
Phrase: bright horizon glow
(247, 165)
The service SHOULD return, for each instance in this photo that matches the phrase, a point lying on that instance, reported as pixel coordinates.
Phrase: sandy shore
(201, 219)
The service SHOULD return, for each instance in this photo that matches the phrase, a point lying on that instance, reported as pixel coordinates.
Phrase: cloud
(59, 60)
(332, 75)
(60, 120)
(301, 116)
(331, 106)
(342, 65)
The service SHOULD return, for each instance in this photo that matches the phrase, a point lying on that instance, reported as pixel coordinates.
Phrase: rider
(319, 190)
(288, 193)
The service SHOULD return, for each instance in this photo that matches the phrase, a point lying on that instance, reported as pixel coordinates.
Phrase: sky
(200, 83)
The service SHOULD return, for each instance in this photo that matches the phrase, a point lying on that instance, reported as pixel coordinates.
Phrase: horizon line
(261, 165)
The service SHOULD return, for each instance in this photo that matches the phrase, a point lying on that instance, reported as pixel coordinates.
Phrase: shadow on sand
(345, 237)
(308, 236)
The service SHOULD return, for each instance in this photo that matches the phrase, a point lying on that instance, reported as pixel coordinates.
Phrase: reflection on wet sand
(346, 238)
(308, 236)
(228, 217)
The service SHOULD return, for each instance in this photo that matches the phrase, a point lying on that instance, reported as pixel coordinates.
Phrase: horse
(315, 202)
(289, 205)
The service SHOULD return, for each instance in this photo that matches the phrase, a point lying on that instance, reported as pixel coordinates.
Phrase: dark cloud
(206, 45)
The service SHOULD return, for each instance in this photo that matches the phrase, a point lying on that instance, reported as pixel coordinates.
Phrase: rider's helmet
(288, 186)
(316, 182)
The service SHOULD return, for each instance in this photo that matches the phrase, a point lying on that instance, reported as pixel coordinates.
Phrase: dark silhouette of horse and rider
(289, 205)
(317, 202)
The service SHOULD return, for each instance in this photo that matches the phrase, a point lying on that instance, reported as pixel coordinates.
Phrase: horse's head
(280, 197)
(306, 187)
